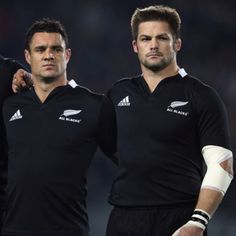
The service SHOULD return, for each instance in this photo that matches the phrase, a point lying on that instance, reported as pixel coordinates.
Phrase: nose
(154, 44)
(49, 55)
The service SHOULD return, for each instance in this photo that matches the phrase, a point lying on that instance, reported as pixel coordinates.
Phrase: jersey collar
(72, 83)
(181, 74)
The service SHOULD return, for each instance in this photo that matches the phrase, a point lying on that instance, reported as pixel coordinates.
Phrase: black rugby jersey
(8, 68)
(51, 145)
(160, 138)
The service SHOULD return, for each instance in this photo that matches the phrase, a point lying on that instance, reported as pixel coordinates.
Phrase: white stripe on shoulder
(182, 72)
(72, 83)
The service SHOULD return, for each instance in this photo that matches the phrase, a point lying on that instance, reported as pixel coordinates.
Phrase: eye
(145, 39)
(39, 49)
(164, 38)
(57, 49)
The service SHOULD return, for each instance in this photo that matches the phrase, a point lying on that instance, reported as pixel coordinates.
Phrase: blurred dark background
(100, 39)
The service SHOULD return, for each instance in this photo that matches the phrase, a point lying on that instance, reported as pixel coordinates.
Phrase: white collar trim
(182, 72)
(72, 83)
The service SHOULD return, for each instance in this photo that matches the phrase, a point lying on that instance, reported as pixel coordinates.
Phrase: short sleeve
(212, 121)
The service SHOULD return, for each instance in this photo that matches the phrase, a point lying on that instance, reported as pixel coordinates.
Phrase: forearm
(215, 184)
(209, 200)
(217, 179)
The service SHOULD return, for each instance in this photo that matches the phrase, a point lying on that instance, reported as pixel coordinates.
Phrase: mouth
(48, 66)
(154, 55)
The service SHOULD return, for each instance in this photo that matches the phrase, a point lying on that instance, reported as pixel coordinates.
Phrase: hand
(188, 230)
(21, 79)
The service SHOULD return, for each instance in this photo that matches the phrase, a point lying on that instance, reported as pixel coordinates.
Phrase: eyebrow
(162, 34)
(45, 46)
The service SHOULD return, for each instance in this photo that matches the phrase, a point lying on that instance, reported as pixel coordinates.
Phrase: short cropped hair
(45, 25)
(156, 13)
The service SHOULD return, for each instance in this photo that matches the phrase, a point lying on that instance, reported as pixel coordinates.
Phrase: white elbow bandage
(216, 177)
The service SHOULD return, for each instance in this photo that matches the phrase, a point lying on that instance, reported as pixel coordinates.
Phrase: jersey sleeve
(3, 167)
(212, 121)
(107, 132)
(8, 67)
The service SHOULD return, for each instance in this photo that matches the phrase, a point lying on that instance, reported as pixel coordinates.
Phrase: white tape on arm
(216, 177)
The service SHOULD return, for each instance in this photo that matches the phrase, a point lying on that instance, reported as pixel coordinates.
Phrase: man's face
(155, 45)
(48, 56)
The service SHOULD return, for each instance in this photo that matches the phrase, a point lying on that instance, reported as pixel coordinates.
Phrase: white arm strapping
(216, 177)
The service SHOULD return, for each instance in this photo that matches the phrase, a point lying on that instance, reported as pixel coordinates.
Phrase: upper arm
(107, 131)
(212, 120)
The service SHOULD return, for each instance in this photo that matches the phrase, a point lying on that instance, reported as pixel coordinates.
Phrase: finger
(19, 75)
(22, 83)
(15, 88)
(28, 79)
(27, 74)
(15, 81)
(176, 232)
(21, 72)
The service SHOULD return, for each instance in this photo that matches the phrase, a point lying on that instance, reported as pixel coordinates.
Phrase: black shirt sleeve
(107, 132)
(7, 69)
(3, 167)
(212, 120)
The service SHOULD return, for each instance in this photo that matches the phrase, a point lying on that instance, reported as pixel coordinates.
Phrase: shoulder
(198, 87)
(126, 81)
(85, 93)
(18, 97)
(123, 84)
(96, 102)
(203, 96)
(15, 100)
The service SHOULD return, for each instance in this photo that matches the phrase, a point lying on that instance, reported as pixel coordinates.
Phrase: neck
(43, 89)
(154, 78)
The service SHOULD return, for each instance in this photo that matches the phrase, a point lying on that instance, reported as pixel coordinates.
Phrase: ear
(68, 54)
(177, 44)
(135, 47)
(27, 56)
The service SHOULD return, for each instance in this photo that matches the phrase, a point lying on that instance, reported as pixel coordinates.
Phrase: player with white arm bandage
(169, 124)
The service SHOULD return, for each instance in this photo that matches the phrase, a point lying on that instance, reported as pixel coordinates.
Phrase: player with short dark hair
(52, 133)
(169, 124)
(45, 25)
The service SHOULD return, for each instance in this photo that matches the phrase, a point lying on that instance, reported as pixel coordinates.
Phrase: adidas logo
(124, 102)
(65, 115)
(16, 116)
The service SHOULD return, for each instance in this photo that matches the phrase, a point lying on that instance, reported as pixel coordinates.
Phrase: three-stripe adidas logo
(124, 102)
(16, 116)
